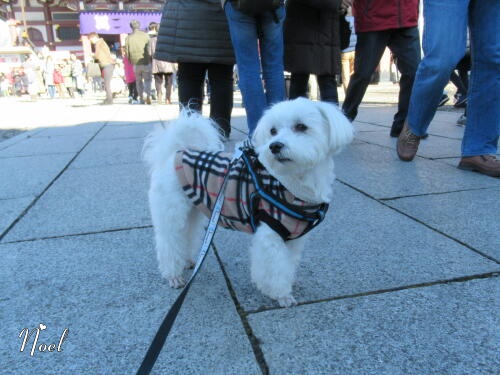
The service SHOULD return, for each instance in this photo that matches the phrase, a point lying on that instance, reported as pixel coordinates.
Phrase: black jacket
(311, 34)
(194, 31)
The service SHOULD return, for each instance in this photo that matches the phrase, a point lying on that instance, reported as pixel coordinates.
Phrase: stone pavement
(401, 278)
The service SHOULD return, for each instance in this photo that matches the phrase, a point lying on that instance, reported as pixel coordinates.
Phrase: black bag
(255, 7)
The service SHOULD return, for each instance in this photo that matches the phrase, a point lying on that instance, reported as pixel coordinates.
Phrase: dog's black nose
(276, 147)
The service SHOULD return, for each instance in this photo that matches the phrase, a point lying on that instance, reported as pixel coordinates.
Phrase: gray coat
(194, 31)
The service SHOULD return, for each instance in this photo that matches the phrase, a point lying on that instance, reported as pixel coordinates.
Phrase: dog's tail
(191, 130)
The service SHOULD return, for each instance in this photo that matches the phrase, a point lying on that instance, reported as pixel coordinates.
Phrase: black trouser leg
(190, 78)
(328, 88)
(405, 45)
(298, 85)
(370, 47)
(220, 77)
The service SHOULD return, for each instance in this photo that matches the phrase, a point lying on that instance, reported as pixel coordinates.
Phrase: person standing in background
(138, 52)
(103, 56)
(380, 24)
(194, 34)
(163, 71)
(312, 46)
(445, 38)
(258, 45)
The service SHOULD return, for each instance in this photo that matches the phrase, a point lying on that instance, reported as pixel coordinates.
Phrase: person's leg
(457, 81)
(168, 87)
(190, 80)
(272, 51)
(220, 77)
(443, 43)
(463, 68)
(148, 78)
(243, 30)
(347, 62)
(483, 111)
(139, 83)
(298, 85)
(370, 47)
(328, 88)
(107, 73)
(405, 45)
(158, 78)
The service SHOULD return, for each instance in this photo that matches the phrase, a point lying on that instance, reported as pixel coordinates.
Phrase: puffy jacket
(194, 31)
(137, 47)
(312, 36)
(376, 15)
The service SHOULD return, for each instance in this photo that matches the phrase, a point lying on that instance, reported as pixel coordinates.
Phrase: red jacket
(376, 15)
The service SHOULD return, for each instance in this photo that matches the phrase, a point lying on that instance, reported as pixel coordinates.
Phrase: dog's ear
(340, 130)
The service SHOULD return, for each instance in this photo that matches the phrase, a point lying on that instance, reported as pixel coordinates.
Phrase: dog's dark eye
(300, 127)
(274, 131)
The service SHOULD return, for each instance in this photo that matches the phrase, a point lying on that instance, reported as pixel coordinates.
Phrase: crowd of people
(200, 41)
(307, 38)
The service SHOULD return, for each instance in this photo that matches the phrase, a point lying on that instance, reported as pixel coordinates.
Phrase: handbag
(93, 69)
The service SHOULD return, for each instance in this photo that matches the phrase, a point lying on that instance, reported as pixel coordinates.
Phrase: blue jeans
(243, 30)
(444, 42)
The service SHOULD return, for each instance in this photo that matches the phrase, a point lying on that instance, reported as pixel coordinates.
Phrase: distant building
(55, 24)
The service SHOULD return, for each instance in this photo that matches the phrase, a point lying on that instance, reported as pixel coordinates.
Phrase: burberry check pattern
(201, 175)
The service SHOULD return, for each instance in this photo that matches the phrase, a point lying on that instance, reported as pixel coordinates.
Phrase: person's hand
(344, 4)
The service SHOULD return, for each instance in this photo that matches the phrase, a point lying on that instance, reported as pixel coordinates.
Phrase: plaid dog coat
(201, 175)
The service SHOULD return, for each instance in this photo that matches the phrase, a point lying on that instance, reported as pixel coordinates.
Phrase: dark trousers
(161, 78)
(191, 78)
(132, 90)
(327, 86)
(405, 45)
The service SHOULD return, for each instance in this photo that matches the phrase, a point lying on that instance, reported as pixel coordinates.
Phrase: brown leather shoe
(407, 144)
(485, 164)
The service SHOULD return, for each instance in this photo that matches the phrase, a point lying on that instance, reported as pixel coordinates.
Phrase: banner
(103, 22)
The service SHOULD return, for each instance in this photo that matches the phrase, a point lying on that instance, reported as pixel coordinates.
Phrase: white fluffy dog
(294, 143)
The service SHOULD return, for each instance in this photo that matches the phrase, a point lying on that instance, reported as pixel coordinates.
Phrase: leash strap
(161, 335)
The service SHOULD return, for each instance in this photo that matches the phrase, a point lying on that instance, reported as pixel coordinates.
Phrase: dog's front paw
(176, 282)
(287, 301)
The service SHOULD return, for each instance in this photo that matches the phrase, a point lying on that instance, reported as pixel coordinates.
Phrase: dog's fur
(309, 133)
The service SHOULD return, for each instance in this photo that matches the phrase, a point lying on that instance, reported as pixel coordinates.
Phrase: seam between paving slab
(254, 341)
(69, 235)
(25, 211)
(461, 279)
(421, 222)
(435, 193)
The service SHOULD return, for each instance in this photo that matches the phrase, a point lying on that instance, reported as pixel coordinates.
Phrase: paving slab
(22, 176)
(48, 144)
(107, 151)
(107, 291)
(361, 246)
(78, 129)
(469, 216)
(378, 172)
(87, 200)
(119, 131)
(439, 330)
(11, 209)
